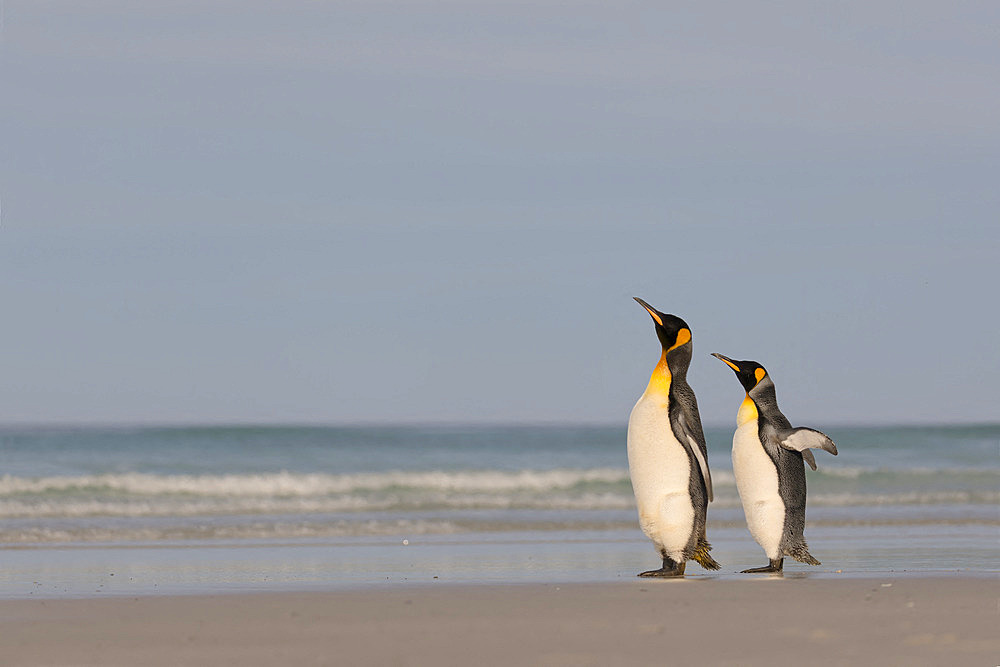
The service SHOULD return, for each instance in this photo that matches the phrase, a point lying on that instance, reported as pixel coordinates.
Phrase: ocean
(189, 509)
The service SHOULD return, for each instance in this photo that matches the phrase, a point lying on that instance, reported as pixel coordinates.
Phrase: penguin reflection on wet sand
(768, 459)
(667, 458)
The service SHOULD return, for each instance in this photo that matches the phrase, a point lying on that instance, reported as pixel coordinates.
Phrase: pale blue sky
(439, 211)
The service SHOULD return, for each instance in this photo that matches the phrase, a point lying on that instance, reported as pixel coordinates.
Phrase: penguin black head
(749, 373)
(672, 331)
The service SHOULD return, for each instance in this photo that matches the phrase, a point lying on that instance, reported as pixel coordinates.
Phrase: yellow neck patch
(747, 412)
(659, 381)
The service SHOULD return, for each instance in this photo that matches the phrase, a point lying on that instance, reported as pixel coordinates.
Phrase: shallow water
(179, 510)
(189, 567)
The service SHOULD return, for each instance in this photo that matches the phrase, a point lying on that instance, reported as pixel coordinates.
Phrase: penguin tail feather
(702, 557)
(800, 552)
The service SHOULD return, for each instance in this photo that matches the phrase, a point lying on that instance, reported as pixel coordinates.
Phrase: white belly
(660, 471)
(757, 482)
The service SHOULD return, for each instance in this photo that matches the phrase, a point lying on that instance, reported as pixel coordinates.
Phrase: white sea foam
(312, 484)
(148, 495)
(905, 498)
(236, 531)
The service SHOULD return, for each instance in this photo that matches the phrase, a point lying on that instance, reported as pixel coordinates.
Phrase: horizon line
(441, 423)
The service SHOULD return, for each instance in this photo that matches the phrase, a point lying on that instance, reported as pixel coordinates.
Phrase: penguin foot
(669, 569)
(774, 566)
(677, 572)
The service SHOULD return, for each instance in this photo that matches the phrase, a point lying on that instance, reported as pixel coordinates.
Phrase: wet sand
(753, 621)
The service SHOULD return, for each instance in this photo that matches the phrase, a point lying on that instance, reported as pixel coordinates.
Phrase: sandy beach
(756, 621)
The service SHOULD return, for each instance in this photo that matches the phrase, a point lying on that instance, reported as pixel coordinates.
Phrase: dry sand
(752, 621)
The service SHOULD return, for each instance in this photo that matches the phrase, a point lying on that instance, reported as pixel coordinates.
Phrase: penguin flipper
(808, 457)
(697, 445)
(802, 438)
(703, 464)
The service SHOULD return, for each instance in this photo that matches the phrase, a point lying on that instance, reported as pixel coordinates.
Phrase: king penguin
(768, 457)
(667, 457)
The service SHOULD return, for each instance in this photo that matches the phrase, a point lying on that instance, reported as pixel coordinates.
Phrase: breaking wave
(141, 494)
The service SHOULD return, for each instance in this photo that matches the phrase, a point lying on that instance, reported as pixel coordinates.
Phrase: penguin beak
(727, 361)
(650, 310)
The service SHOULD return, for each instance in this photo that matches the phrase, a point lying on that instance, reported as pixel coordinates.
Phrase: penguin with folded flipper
(768, 457)
(667, 457)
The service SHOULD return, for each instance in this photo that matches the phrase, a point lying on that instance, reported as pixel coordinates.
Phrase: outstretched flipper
(803, 439)
(808, 457)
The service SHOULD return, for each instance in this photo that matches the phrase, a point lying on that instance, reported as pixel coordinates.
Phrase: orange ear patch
(683, 336)
(759, 374)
